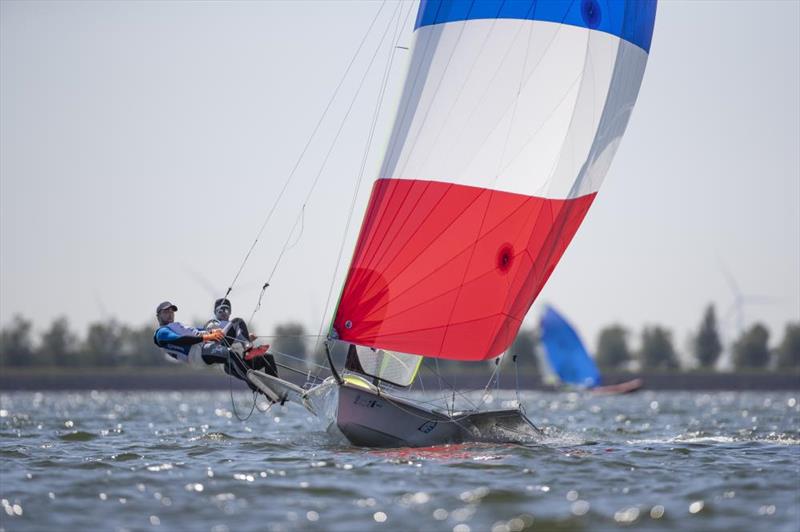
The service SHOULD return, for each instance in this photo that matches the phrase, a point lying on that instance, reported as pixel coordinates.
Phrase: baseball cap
(165, 305)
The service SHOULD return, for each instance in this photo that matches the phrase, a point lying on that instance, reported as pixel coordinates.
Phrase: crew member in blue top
(197, 346)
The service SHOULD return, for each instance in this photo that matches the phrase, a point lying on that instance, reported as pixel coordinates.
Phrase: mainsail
(565, 351)
(510, 115)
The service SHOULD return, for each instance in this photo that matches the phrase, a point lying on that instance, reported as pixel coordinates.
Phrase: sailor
(237, 334)
(235, 329)
(194, 346)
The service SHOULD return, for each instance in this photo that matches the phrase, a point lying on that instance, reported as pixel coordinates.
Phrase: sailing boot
(258, 358)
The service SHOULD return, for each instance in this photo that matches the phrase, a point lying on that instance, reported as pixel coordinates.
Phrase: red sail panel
(450, 271)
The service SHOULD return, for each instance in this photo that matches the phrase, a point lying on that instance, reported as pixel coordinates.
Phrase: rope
(376, 113)
(286, 247)
(450, 386)
(516, 383)
(230, 386)
(489, 383)
(325, 161)
(305, 148)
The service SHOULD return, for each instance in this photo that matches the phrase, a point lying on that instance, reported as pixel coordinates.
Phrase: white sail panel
(390, 366)
(514, 105)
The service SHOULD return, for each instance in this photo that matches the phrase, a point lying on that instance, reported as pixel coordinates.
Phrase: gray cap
(165, 305)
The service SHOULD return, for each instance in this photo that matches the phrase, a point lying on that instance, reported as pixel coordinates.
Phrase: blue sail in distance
(565, 351)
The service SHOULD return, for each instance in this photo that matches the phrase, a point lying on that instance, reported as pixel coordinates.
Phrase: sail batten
(510, 116)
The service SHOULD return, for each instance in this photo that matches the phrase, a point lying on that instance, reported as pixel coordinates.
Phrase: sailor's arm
(166, 335)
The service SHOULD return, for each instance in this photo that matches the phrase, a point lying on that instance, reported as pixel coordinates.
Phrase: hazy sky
(142, 145)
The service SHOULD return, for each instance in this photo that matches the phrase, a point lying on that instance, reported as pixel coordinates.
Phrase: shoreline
(166, 379)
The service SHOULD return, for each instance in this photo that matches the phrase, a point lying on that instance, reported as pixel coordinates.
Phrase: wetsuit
(236, 331)
(185, 344)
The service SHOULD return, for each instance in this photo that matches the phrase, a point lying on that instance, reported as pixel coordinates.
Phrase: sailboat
(569, 359)
(509, 118)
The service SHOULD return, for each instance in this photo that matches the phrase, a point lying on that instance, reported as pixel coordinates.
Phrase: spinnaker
(510, 115)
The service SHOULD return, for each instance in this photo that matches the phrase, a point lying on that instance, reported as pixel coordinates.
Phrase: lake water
(183, 461)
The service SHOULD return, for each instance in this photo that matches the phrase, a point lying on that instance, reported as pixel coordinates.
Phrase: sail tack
(510, 116)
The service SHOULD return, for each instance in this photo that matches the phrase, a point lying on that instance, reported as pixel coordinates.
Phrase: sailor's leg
(265, 363)
(213, 353)
(238, 332)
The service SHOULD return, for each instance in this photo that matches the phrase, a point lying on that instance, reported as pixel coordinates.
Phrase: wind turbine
(740, 300)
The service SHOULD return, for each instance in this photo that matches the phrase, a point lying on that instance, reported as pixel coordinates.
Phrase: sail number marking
(367, 402)
(428, 426)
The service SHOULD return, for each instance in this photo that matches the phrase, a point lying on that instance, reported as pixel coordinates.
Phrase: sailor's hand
(253, 337)
(214, 336)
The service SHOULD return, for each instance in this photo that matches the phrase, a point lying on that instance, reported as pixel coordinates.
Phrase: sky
(144, 144)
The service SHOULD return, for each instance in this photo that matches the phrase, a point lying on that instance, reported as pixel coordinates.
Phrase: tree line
(657, 352)
(112, 344)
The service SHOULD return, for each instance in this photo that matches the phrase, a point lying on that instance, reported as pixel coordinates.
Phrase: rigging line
(286, 336)
(284, 249)
(485, 213)
(489, 383)
(309, 376)
(499, 369)
(305, 148)
(466, 270)
(319, 172)
(406, 103)
(466, 79)
(379, 243)
(374, 261)
(303, 360)
(516, 382)
(553, 110)
(439, 380)
(456, 420)
(448, 384)
(521, 274)
(302, 228)
(490, 84)
(587, 65)
(561, 217)
(370, 137)
(426, 113)
(440, 266)
(230, 385)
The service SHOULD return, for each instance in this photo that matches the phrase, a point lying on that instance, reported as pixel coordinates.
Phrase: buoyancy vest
(177, 340)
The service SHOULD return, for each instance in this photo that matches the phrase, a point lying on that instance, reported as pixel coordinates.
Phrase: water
(182, 461)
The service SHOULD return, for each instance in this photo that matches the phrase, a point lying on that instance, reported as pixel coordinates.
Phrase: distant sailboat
(569, 359)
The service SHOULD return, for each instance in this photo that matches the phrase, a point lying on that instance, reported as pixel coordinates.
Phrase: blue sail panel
(565, 351)
(631, 20)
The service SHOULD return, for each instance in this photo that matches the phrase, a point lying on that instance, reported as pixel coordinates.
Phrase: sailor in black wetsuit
(237, 334)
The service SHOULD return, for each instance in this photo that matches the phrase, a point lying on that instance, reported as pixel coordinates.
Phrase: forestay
(510, 116)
